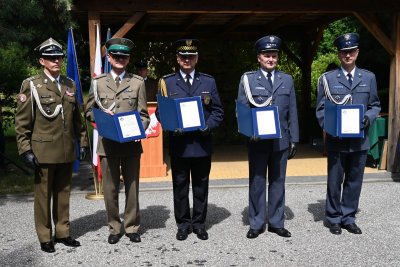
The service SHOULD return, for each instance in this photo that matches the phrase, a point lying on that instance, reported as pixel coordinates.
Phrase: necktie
(117, 81)
(269, 75)
(187, 78)
(349, 78)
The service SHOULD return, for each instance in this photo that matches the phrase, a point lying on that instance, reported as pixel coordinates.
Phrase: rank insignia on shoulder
(22, 98)
(45, 81)
(39, 85)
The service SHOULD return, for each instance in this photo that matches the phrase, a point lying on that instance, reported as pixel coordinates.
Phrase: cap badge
(188, 42)
(347, 36)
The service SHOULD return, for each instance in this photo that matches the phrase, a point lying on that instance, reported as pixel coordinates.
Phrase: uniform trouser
(199, 170)
(111, 168)
(344, 169)
(259, 162)
(52, 181)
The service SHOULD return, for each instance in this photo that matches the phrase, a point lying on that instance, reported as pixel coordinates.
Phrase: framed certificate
(260, 122)
(184, 113)
(343, 121)
(121, 127)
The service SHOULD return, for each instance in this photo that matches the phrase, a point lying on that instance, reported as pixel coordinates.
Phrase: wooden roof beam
(372, 24)
(192, 21)
(129, 24)
(292, 56)
(282, 21)
(236, 21)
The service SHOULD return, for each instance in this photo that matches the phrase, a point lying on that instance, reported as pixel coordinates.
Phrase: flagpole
(97, 192)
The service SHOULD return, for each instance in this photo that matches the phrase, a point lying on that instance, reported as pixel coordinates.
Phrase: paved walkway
(311, 243)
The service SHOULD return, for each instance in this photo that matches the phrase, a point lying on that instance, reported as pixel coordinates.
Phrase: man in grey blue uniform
(268, 86)
(346, 156)
(190, 152)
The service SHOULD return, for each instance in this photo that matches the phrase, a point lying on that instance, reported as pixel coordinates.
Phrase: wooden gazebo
(300, 21)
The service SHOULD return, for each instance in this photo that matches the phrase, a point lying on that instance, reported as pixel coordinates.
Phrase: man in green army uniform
(117, 92)
(48, 126)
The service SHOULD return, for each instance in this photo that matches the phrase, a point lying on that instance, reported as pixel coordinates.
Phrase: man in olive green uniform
(48, 126)
(117, 92)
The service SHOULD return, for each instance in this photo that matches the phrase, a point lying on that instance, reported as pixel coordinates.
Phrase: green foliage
(336, 28)
(24, 24)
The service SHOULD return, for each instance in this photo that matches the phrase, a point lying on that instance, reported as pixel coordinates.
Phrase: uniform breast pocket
(106, 100)
(48, 104)
(130, 99)
(339, 93)
(361, 95)
(283, 97)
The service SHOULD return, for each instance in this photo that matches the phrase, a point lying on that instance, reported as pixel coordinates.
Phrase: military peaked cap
(187, 46)
(347, 41)
(268, 43)
(119, 46)
(50, 48)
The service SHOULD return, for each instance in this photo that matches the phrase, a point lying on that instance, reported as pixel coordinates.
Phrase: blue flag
(72, 66)
(73, 73)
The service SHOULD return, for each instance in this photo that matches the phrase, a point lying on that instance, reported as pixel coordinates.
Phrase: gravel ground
(311, 243)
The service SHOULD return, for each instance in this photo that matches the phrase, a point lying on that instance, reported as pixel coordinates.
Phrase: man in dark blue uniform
(191, 152)
(265, 87)
(346, 156)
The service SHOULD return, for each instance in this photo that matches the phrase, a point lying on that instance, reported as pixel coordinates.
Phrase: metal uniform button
(118, 106)
(130, 102)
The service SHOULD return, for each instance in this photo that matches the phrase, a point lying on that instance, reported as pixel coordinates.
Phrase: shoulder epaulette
(33, 78)
(100, 76)
(205, 74)
(250, 72)
(137, 77)
(168, 75)
(365, 70)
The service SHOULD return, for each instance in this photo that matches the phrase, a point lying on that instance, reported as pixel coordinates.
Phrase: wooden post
(93, 19)
(394, 101)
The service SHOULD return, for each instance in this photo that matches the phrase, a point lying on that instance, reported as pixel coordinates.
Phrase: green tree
(24, 24)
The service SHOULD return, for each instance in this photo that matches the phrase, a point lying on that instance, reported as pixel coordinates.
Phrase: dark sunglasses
(53, 58)
(119, 56)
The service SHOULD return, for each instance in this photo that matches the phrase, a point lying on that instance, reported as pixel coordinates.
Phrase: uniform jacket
(194, 144)
(130, 95)
(363, 91)
(283, 96)
(51, 140)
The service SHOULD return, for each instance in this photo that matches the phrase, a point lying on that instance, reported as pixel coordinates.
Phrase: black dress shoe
(280, 231)
(113, 239)
(68, 241)
(182, 234)
(134, 237)
(334, 228)
(201, 233)
(252, 233)
(352, 228)
(47, 247)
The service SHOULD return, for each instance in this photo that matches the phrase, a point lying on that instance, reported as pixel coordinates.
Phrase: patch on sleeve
(22, 97)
